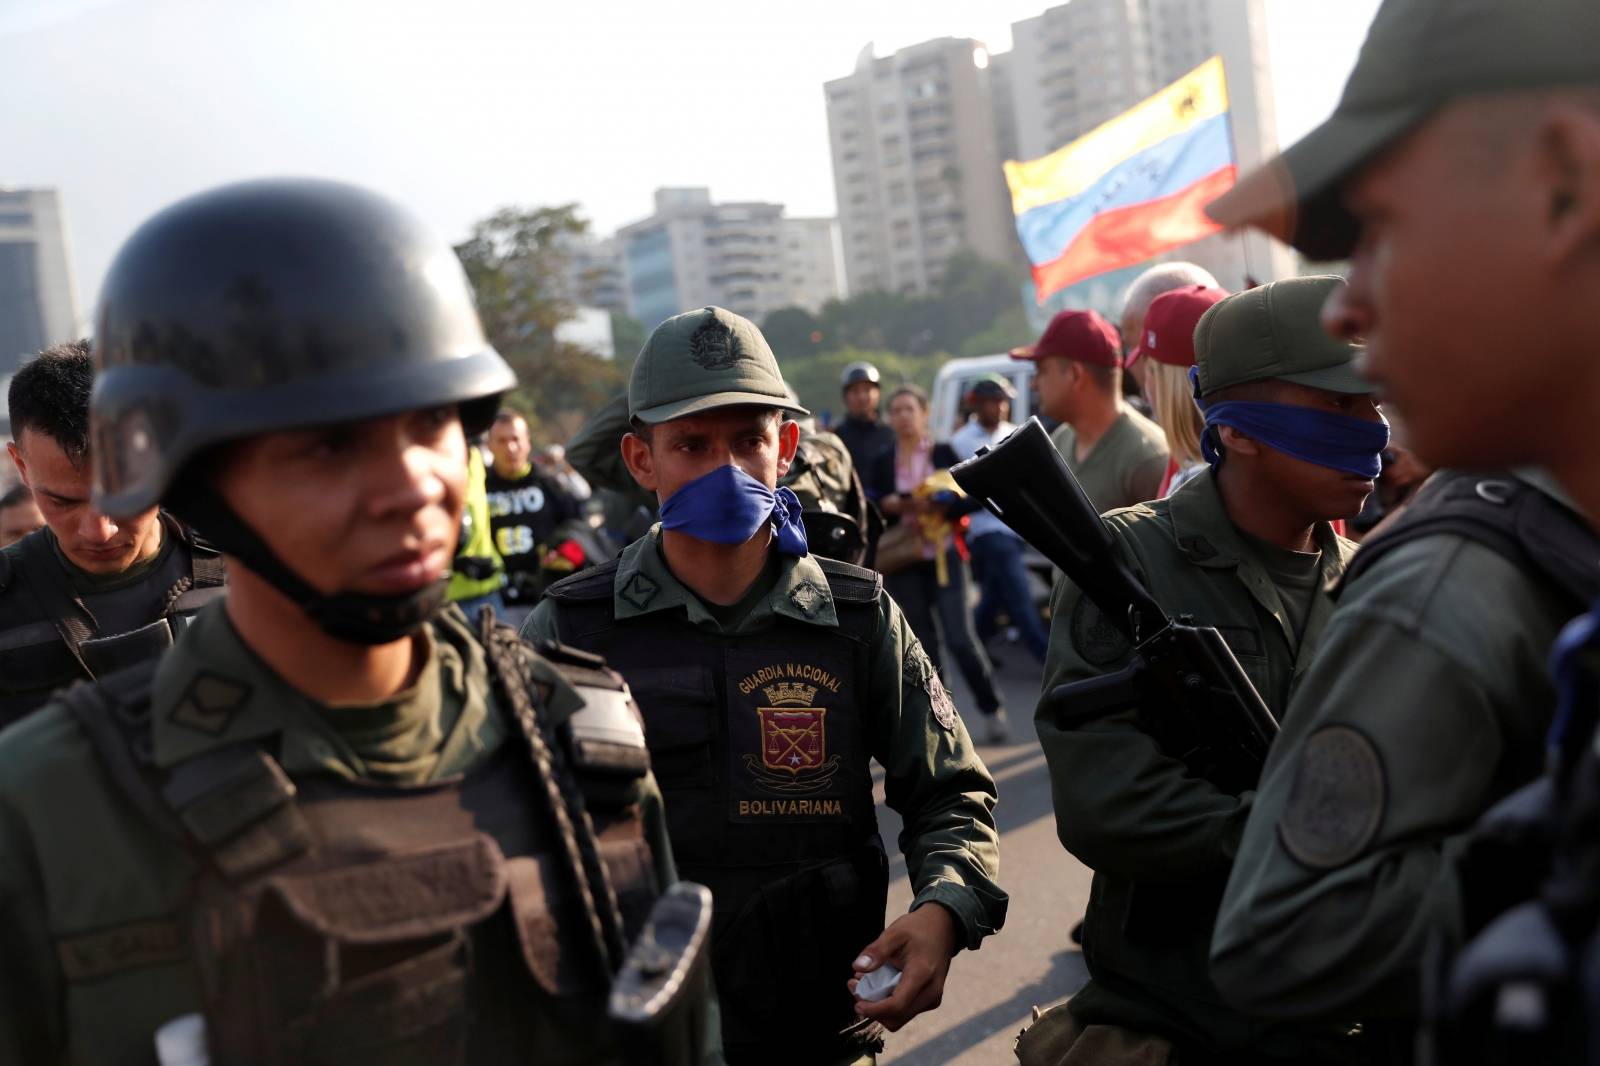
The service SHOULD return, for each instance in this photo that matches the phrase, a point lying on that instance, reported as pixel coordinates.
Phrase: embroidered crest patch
(1097, 640)
(794, 741)
(639, 591)
(807, 597)
(1337, 800)
(918, 671)
(210, 703)
(713, 345)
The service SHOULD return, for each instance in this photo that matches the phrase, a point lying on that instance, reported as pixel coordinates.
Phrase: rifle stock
(1194, 698)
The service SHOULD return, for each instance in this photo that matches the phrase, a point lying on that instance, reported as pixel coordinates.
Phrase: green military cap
(1418, 56)
(1275, 331)
(701, 360)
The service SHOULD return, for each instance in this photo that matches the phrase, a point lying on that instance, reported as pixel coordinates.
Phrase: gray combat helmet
(275, 305)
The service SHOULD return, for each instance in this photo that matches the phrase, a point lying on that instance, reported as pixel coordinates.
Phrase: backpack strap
(1505, 514)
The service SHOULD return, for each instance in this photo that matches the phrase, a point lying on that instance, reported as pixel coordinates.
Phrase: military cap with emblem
(1274, 332)
(702, 360)
(1418, 56)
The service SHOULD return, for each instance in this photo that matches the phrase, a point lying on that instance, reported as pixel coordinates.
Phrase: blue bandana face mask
(728, 506)
(1338, 442)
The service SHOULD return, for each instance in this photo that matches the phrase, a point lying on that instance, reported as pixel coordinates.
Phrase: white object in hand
(182, 1042)
(879, 984)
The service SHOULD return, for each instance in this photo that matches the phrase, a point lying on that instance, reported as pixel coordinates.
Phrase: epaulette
(851, 583)
(595, 583)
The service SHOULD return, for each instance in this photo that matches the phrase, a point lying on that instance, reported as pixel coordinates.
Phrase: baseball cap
(1275, 332)
(1080, 335)
(702, 360)
(993, 386)
(1418, 55)
(1169, 324)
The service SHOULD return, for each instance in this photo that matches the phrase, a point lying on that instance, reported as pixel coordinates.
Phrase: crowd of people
(280, 784)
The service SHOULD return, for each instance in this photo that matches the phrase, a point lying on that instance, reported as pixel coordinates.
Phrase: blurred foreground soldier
(339, 823)
(1486, 111)
(769, 678)
(1142, 292)
(526, 506)
(1293, 440)
(1118, 455)
(19, 515)
(861, 429)
(90, 593)
(565, 474)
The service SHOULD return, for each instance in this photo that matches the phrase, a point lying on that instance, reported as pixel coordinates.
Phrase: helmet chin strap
(356, 617)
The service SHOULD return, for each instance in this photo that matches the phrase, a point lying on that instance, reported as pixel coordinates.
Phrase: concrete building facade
(916, 164)
(38, 305)
(693, 252)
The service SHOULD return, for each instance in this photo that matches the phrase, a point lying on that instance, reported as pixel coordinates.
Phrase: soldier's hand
(920, 945)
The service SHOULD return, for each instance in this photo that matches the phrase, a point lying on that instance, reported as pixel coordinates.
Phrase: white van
(958, 375)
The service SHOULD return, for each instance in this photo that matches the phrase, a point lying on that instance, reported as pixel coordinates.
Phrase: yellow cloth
(933, 526)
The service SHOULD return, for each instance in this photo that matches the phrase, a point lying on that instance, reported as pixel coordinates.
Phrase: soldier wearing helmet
(861, 430)
(338, 820)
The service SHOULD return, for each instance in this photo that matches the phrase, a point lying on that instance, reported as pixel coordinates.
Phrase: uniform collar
(212, 690)
(1208, 538)
(644, 584)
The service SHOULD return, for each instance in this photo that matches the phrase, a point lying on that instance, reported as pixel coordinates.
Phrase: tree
(518, 265)
(792, 332)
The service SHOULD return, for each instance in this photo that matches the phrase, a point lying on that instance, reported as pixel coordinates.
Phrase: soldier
(1293, 440)
(338, 822)
(89, 593)
(768, 678)
(1118, 455)
(19, 514)
(861, 429)
(1487, 111)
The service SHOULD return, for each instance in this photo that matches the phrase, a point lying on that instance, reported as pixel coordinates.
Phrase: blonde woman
(1167, 345)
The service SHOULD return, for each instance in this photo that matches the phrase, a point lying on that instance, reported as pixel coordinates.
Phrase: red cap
(1080, 335)
(1169, 324)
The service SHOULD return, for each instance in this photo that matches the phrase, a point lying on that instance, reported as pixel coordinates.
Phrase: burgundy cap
(1080, 335)
(1169, 324)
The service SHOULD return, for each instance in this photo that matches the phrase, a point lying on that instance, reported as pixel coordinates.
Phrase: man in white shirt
(996, 550)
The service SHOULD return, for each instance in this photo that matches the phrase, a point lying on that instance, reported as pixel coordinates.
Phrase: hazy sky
(458, 107)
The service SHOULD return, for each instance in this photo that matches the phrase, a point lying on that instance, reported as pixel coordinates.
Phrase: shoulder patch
(917, 670)
(1337, 800)
(1096, 639)
(850, 583)
(591, 584)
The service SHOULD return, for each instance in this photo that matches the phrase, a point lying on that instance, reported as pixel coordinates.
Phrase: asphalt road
(1032, 961)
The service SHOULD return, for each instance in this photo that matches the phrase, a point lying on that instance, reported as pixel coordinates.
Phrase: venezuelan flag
(1129, 189)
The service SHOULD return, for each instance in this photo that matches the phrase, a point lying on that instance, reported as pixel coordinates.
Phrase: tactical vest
(1535, 532)
(48, 631)
(759, 743)
(471, 920)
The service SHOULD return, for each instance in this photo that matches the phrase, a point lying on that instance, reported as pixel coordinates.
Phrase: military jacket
(53, 633)
(97, 896)
(1428, 701)
(784, 769)
(1160, 840)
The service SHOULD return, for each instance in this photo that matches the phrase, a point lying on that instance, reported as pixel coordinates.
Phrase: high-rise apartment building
(812, 274)
(37, 304)
(916, 167)
(1082, 63)
(693, 252)
(595, 275)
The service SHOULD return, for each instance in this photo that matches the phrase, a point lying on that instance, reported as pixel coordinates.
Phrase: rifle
(657, 1000)
(1192, 695)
